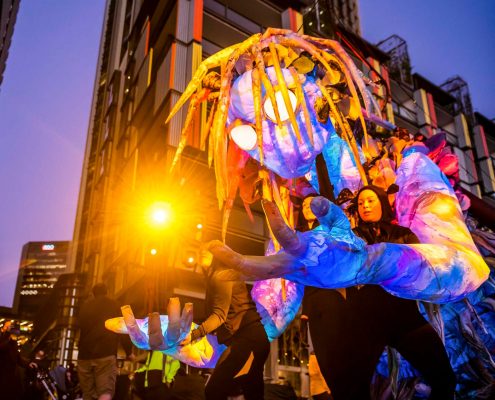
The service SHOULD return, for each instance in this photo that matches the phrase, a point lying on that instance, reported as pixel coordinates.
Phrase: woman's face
(306, 209)
(369, 206)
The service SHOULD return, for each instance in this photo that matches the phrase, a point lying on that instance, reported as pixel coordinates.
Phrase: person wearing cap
(40, 365)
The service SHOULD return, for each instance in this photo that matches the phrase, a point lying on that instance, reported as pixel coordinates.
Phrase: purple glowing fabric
(446, 268)
(276, 311)
(282, 153)
(164, 333)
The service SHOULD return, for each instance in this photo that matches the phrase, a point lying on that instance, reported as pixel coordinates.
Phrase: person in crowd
(10, 360)
(153, 381)
(67, 381)
(352, 327)
(317, 307)
(237, 324)
(71, 380)
(97, 359)
(39, 367)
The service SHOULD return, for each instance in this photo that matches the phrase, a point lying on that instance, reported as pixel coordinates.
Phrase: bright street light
(160, 214)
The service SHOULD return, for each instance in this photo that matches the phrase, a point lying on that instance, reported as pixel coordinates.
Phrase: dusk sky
(46, 94)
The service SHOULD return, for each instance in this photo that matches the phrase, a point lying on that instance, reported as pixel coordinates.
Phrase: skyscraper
(40, 266)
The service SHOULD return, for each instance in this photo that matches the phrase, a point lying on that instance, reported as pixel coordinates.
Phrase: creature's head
(279, 99)
(281, 150)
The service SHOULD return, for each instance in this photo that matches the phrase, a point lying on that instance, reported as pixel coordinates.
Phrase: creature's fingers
(330, 215)
(138, 337)
(255, 267)
(116, 325)
(285, 235)
(174, 320)
(156, 339)
(320, 206)
(186, 318)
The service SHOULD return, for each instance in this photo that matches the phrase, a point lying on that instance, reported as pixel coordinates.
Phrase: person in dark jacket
(10, 360)
(34, 387)
(97, 359)
(237, 324)
(351, 327)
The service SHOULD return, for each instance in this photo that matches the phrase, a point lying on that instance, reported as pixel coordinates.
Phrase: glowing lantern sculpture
(283, 99)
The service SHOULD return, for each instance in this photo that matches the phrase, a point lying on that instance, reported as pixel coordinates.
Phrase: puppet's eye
(282, 110)
(244, 136)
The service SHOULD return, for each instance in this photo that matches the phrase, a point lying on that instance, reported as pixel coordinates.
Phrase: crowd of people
(349, 330)
(23, 378)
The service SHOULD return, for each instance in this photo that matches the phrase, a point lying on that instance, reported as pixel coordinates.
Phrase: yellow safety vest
(156, 360)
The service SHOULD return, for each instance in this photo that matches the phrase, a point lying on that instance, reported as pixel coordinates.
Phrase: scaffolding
(400, 63)
(458, 87)
(321, 17)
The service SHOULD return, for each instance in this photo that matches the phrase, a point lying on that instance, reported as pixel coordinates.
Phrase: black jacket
(95, 340)
(385, 232)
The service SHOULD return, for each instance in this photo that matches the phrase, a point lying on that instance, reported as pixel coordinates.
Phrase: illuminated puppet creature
(282, 99)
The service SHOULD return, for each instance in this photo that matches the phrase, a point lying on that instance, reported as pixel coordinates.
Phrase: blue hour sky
(444, 38)
(46, 94)
(44, 111)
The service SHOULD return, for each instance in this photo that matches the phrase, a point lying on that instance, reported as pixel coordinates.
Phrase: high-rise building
(40, 266)
(8, 15)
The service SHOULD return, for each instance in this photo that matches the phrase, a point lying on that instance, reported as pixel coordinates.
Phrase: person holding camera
(38, 371)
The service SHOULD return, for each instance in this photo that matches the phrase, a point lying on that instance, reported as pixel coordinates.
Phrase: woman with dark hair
(351, 327)
(390, 320)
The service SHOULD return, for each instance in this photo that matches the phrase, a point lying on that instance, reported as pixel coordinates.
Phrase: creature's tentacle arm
(211, 62)
(445, 268)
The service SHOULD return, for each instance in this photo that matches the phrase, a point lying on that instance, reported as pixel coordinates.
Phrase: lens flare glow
(160, 214)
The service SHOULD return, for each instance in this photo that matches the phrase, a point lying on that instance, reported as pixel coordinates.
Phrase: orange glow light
(160, 214)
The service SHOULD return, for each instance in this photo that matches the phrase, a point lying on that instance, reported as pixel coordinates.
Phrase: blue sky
(444, 37)
(46, 94)
(44, 110)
